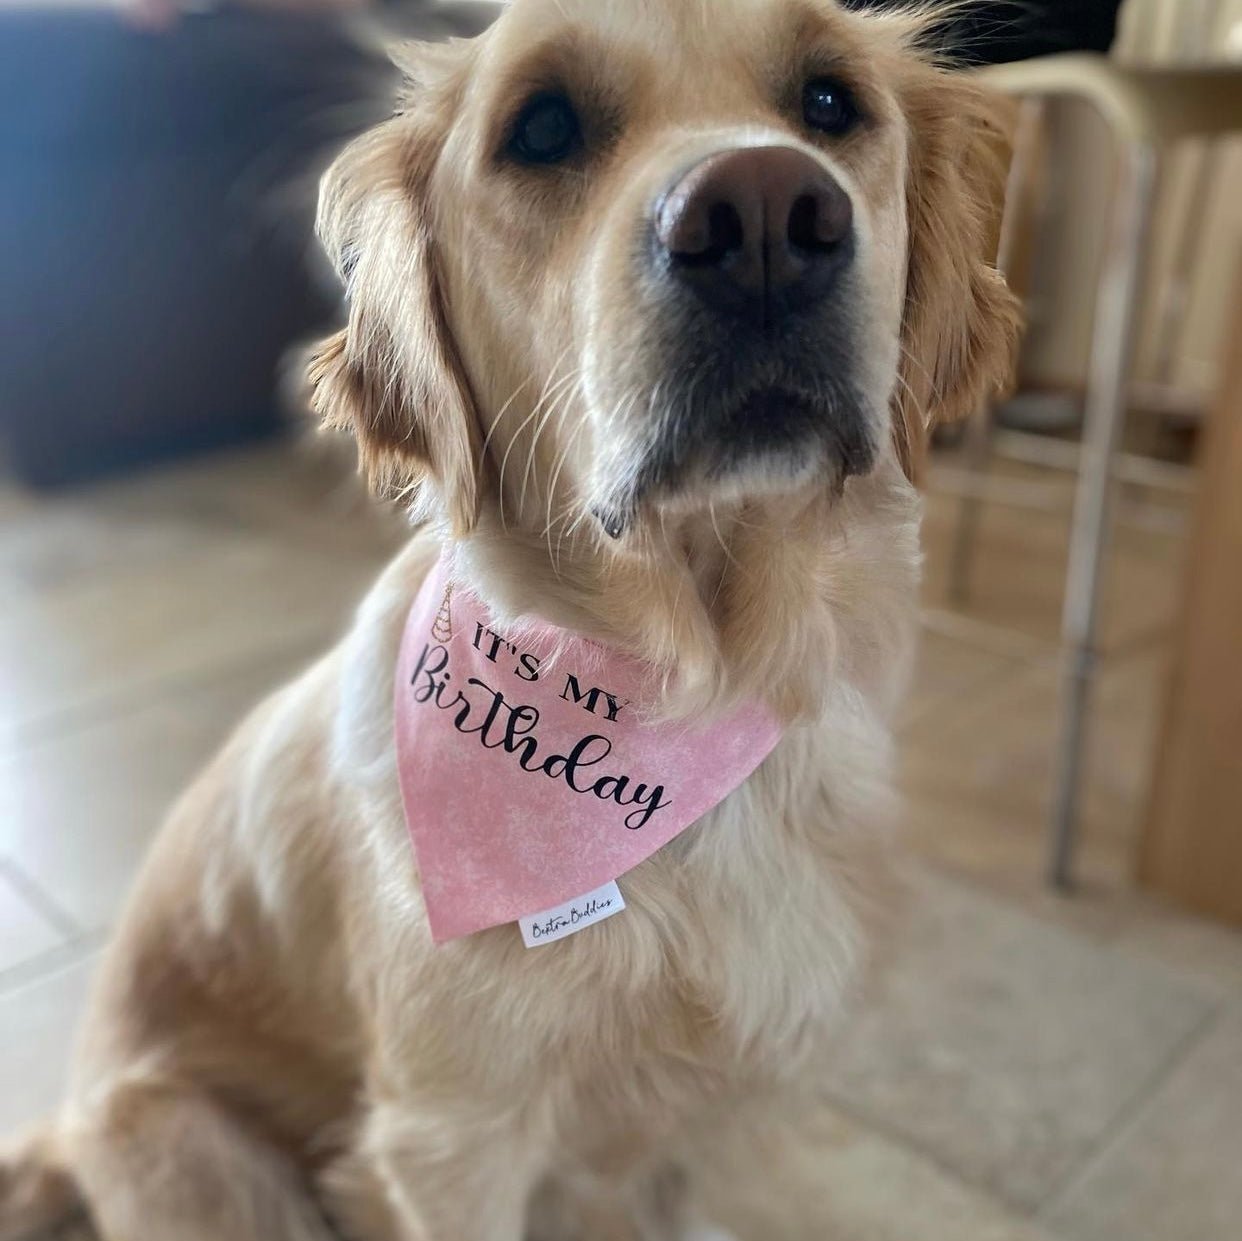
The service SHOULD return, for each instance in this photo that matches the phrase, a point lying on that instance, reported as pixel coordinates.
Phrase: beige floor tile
(78, 809)
(978, 766)
(949, 671)
(1174, 1173)
(1006, 1046)
(99, 646)
(1019, 569)
(977, 777)
(307, 492)
(829, 1178)
(25, 930)
(15, 502)
(110, 592)
(38, 1023)
(1208, 952)
(1137, 924)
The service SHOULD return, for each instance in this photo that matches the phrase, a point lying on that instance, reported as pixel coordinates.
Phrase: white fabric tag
(571, 917)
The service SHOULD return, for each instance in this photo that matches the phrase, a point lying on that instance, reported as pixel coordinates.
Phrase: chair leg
(1112, 350)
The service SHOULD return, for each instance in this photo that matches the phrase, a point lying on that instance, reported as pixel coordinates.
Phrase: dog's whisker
(504, 463)
(570, 444)
(565, 394)
(558, 522)
(500, 418)
(628, 403)
(517, 435)
(504, 409)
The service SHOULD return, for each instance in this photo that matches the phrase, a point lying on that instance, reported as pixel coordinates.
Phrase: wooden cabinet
(1192, 849)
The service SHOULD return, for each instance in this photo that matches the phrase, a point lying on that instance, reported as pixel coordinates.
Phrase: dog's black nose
(761, 231)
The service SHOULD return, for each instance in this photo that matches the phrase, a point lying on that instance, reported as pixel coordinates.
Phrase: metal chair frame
(1145, 110)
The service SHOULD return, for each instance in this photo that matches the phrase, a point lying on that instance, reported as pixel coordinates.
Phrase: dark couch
(156, 201)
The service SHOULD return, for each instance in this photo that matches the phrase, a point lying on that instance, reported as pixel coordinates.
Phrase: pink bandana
(528, 773)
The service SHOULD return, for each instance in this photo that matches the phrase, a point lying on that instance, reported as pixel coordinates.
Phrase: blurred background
(1055, 1051)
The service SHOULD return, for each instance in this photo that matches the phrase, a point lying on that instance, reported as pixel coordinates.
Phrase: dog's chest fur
(729, 962)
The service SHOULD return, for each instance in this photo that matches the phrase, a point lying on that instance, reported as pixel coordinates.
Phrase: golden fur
(275, 1049)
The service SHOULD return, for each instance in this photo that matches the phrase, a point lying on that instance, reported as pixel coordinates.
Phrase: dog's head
(616, 261)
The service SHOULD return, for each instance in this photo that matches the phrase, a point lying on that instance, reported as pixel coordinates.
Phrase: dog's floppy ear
(393, 376)
(961, 324)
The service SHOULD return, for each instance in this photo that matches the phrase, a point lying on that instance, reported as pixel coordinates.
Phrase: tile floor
(1031, 1069)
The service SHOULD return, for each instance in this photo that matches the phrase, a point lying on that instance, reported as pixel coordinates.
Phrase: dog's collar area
(530, 771)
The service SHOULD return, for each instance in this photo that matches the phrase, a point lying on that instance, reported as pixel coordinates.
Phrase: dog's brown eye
(828, 106)
(546, 131)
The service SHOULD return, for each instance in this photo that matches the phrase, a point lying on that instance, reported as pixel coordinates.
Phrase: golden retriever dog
(652, 304)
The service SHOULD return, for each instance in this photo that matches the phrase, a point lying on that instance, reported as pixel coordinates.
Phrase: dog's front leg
(453, 1176)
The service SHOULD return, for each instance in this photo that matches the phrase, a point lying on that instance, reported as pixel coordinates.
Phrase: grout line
(1113, 1132)
(913, 1147)
(64, 924)
(1131, 1112)
(987, 692)
(984, 635)
(1216, 998)
(979, 685)
(34, 969)
(141, 694)
(1150, 638)
(1209, 993)
(964, 708)
(1029, 649)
